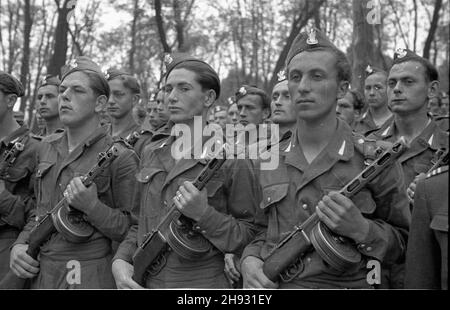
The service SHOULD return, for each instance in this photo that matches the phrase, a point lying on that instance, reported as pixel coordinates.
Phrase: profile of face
(162, 107)
(283, 110)
(4, 99)
(186, 97)
(233, 114)
(345, 108)
(77, 101)
(40, 121)
(444, 105)
(375, 90)
(408, 89)
(48, 102)
(433, 106)
(220, 117)
(313, 86)
(122, 99)
(251, 110)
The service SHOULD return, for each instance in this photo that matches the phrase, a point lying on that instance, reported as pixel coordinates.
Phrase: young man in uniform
(412, 80)
(375, 94)
(223, 213)
(106, 204)
(324, 156)
(350, 106)
(48, 105)
(125, 94)
(283, 110)
(220, 116)
(17, 197)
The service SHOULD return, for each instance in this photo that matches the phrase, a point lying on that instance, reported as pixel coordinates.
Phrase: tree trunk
(415, 25)
(133, 35)
(58, 58)
(304, 15)
(160, 25)
(433, 27)
(25, 67)
(363, 45)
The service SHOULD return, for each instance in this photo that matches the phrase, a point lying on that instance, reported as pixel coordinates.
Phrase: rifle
(335, 250)
(150, 254)
(46, 225)
(442, 159)
(10, 156)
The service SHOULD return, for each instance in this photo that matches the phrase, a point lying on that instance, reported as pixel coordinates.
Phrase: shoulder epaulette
(36, 137)
(53, 137)
(440, 117)
(437, 171)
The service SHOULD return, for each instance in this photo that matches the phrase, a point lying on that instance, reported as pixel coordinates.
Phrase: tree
(25, 67)
(432, 31)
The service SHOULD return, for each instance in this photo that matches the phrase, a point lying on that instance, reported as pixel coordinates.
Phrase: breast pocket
(43, 192)
(150, 195)
(273, 194)
(15, 174)
(440, 223)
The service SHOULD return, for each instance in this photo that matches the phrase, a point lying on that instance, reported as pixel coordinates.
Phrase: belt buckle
(292, 271)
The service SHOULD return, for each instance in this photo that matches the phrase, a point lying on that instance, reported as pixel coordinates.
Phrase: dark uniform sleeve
(231, 232)
(129, 245)
(422, 263)
(115, 222)
(389, 222)
(16, 209)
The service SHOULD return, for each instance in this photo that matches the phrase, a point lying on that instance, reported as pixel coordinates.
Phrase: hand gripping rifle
(63, 219)
(149, 256)
(337, 251)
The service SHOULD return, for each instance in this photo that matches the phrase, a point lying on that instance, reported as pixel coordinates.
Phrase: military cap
(219, 108)
(81, 63)
(111, 73)
(174, 60)
(10, 85)
(372, 70)
(404, 55)
(49, 80)
(309, 41)
(245, 90)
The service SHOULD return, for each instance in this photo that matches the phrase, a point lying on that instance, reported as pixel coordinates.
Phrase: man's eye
(392, 84)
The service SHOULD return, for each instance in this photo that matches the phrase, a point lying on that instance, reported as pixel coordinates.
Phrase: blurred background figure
(350, 107)
(232, 113)
(220, 116)
(434, 106)
(19, 116)
(157, 112)
(283, 111)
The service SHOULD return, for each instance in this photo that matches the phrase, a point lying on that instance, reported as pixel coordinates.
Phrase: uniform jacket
(420, 155)
(111, 216)
(366, 125)
(427, 254)
(229, 222)
(17, 201)
(291, 192)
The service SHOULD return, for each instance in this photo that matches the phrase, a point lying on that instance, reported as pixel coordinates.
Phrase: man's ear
(210, 98)
(342, 89)
(433, 89)
(136, 98)
(11, 101)
(100, 103)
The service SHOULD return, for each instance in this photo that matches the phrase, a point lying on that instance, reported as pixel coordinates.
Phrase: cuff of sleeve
(209, 221)
(98, 213)
(22, 238)
(372, 246)
(251, 250)
(123, 255)
(5, 197)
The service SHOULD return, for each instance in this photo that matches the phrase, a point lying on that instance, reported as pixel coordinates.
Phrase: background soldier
(47, 96)
(350, 106)
(378, 112)
(412, 79)
(106, 204)
(16, 182)
(325, 155)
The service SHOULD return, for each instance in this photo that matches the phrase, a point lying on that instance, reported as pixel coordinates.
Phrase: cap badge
(168, 59)
(401, 52)
(281, 75)
(242, 91)
(312, 37)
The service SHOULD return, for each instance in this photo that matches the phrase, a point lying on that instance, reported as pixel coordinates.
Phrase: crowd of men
(223, 233)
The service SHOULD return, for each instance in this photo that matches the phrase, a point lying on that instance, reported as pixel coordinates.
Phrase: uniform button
(309, 259)
(268, 199)
(146, 178)
(165, 203)
(305, 206)
(197, 227)
(362, 245)
(203, 231)
(369, 248)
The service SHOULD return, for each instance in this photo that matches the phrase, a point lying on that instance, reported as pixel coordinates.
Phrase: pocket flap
(43, 168)
(146, 174)
(273, 194)
(15, 174)
(440, 222)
